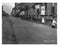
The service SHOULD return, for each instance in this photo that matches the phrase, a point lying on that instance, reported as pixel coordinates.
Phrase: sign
(42, 10)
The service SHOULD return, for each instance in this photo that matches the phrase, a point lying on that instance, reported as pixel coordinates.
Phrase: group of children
(53, 24)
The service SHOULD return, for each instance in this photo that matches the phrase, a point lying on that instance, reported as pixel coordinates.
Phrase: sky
(7, 7)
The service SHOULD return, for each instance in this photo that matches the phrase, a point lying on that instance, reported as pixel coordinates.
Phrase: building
(45, 9)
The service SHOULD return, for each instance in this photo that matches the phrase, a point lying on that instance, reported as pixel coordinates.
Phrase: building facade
(38, 8)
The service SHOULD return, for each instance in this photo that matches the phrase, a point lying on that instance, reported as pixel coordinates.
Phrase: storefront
(41, 8)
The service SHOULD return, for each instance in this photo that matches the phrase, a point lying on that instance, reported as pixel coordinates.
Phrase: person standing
(54, 23)
(43, 21)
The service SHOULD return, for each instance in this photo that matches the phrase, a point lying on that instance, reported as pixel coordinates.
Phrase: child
(43, 20)
(54, 23)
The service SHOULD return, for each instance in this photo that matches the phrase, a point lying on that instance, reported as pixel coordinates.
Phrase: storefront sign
(42, 10)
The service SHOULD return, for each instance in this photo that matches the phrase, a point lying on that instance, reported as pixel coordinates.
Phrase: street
(32, 33)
